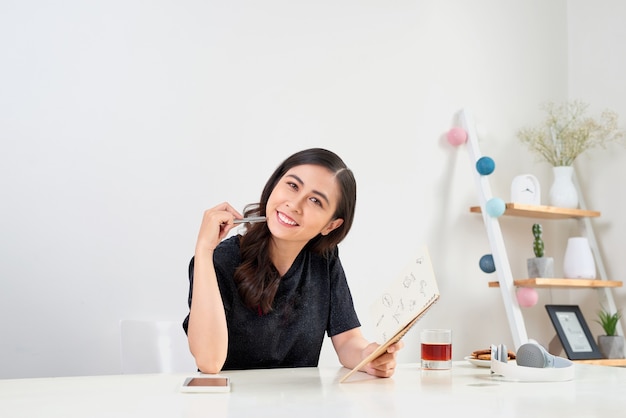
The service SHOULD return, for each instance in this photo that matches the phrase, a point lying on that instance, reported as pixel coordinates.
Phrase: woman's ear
(332, 225)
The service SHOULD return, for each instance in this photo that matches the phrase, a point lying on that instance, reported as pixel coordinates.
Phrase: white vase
(578, 261)
(563, 193)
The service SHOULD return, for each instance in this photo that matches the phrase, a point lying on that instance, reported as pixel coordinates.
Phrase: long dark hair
(256, 278)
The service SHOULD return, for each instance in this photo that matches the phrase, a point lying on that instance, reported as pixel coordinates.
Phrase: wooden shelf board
(604, 362)
(562, 283)
(543, 212)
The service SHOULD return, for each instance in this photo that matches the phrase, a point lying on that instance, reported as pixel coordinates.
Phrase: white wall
(121, 121)
(596, 75)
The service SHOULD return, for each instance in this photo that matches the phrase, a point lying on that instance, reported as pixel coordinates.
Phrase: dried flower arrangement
(567, 132)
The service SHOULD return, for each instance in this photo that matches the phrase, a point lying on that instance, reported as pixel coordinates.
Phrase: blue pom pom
(486, 263)
(495, 207)
(485, 166)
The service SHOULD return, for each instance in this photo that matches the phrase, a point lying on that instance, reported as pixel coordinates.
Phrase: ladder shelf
(542, 282)
(543, 212)
(506, 283)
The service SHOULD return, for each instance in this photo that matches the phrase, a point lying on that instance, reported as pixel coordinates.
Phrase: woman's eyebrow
(299, 180)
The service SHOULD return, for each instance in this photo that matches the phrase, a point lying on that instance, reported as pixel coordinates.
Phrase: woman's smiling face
(303, 203)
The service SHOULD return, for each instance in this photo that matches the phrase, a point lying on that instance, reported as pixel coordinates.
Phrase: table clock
(525, 189)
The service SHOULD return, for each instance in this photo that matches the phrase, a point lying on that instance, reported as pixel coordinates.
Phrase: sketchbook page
(408, 295)
(414, 291)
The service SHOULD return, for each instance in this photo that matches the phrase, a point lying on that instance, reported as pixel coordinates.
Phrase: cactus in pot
(539, 266)
(538, 246)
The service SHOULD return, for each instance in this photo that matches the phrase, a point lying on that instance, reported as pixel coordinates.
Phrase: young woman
(266, 298)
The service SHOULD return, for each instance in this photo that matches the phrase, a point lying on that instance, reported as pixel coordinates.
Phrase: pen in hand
(251, 219)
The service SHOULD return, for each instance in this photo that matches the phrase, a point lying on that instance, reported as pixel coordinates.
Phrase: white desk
(466, 391)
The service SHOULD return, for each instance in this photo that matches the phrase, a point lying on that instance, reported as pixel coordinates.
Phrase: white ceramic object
(563, 193)
(578, 261)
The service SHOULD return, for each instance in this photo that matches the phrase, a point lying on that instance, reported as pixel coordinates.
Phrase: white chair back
(154, 347)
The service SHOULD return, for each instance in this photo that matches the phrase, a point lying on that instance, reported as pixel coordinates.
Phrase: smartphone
(200, 384)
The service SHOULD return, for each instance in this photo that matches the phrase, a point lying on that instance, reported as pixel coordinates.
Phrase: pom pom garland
(527, 297)
(495, 207)
(485, 166)
(486, 263)
(457, 136)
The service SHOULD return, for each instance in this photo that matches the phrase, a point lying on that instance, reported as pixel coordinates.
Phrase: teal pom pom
(485, 166)
(495, 207)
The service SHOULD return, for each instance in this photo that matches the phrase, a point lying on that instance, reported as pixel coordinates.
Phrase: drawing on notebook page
(404, 302)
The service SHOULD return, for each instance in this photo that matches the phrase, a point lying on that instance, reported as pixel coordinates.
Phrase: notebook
(404, 302)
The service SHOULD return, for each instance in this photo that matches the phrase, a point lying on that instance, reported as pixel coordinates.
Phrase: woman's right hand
(208, 332)
(216, 223)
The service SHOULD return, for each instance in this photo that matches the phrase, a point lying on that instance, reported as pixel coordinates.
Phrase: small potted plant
(539, 266)
(611, 345)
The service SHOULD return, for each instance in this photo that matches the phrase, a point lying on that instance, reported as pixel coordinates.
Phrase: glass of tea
(436, 349)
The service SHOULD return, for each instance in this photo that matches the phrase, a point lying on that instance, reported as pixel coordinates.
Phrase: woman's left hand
(385, 364)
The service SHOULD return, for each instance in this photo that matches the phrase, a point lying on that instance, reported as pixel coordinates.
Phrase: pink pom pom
(527, 297)
(457, 136)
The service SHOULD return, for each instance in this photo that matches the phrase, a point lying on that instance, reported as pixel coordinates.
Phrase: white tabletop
(465, 391)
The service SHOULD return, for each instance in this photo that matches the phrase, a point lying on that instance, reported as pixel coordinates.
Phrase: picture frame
(573, 332)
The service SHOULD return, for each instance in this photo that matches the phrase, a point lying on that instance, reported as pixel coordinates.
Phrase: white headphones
(534, 364)
(534, 355)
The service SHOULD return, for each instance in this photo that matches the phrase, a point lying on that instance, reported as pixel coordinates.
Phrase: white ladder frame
(605, 293)
(494, 233)
(499, 254)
